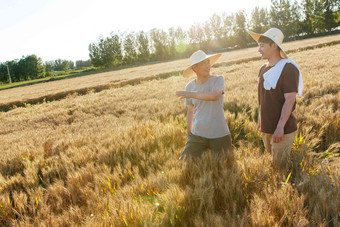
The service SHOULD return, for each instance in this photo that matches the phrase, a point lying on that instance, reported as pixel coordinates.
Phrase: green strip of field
(57, 76)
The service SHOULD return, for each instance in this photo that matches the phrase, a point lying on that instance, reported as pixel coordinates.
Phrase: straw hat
(197, 57)
(274, 34)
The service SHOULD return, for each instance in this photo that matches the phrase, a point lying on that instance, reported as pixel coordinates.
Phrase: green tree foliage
(3, 73)
(285, 16)
(172, 43)
(30, 67)
(321, 16)
(181, 43)
(259, 20)
(115, 47)
(130, 52)
(58, 65)
(63, 65)
(197, 36)
(95, 55)
(49, 66)
(160, 43)
(296, 17)
(228, 30)
(214, 32)
(143, 47)
(14, 70)
(27, 68)
(330, 14)
(111, 50)
(83, 63)
(240, 29)
(228, 24)
(217, 28)
(107, 52)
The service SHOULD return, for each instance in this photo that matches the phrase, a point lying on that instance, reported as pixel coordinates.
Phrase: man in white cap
(279, 80)
(207, 128)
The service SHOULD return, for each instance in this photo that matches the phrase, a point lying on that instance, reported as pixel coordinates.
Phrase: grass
(110, 158)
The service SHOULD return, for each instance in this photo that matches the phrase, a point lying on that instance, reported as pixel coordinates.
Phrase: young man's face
(202, 68)
(266, 50)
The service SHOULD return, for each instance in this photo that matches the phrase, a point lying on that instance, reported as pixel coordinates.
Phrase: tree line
(32, 67)
(220, 33)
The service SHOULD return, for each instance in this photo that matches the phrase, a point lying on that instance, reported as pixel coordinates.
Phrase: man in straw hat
(279, 81)
(206, 123)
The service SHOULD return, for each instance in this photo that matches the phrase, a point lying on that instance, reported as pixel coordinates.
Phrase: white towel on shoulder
(272, 75)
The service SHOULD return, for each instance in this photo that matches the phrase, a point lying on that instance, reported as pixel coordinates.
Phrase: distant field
(110, 158)
(59, 89)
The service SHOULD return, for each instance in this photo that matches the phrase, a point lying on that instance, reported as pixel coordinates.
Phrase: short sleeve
(219, 83)
(188, 102)
(290, 78)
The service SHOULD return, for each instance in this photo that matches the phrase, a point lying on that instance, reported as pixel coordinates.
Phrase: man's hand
(190, 117)
(278, 135)
(183, 94)
(285, 113)
(259, 121)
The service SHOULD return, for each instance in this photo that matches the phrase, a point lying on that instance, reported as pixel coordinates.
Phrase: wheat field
(110, 158)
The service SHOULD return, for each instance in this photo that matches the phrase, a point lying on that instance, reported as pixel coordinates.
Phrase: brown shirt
(272, 101)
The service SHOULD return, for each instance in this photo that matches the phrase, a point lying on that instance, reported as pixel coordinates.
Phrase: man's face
(266, 50)
(202, 68)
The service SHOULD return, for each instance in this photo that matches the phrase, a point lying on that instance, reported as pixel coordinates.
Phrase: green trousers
(197, 145)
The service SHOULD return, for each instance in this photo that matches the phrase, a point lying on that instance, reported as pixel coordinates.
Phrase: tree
(62, 65)
(160, 43)
(172, 42)
(181, 47)
(27, 68)
(228, 25)
(143, 47)
(30, 67)
(95, 55)
(111, 50)
(320, 16)
(285, 16)
(3, 73)
(107, 52)
(295, 22)
(207, 32)
(280, 15)
(49, 67)
(196, 36)
(259, 20)
(330, 14)
(240, 29)
(83, 63)
(14, 70)
(216, 26)
(130, 53)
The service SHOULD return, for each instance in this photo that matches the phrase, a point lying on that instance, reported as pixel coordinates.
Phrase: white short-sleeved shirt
(209, 119)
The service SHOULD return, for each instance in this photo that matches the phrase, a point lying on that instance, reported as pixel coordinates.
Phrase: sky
(54, 29)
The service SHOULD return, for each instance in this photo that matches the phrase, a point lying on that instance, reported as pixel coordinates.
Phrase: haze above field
(54, 29)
